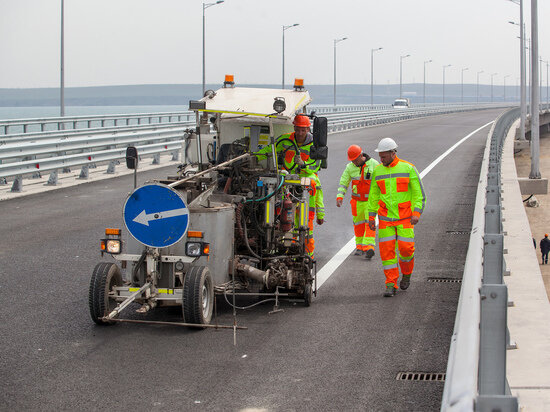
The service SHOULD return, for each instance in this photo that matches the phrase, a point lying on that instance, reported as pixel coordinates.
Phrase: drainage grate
(465, 204)
(421, 376)
(458, 232)
(444, 280)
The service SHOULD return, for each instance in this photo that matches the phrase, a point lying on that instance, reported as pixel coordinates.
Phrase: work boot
(358, 252)
(405, 282)
(369, 254)
(390, 290)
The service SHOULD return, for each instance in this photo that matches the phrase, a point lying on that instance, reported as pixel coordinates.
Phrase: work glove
(339, 201)
(298, 160)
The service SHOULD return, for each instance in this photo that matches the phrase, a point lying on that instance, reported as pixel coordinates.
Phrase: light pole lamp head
(339, 40)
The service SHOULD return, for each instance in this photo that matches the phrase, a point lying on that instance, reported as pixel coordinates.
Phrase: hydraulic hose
(269, 195)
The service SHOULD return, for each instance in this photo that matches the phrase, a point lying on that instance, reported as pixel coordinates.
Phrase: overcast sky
(115, 42)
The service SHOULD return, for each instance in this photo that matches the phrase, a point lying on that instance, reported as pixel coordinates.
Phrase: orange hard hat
(354, 152)
(301, 120)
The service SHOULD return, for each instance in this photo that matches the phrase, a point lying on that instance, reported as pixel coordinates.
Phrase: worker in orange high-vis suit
(300, 163)
(358, 172)
(398, 198)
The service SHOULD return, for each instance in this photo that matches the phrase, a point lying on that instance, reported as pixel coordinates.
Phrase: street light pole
(477, 87)
(62, 71)
(401, 74)
(336, 41)
(492, 75)
(462, 85)
(535, 98)
(285, 28)
(523, 99)
(371, 73)
(424, 88)
(204, 7)
(444, 67)
(541, 77)
(547, 103)
(505, 86)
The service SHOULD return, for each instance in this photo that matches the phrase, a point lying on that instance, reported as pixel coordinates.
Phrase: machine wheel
(308, 294)
(104, 278)
(198, 296)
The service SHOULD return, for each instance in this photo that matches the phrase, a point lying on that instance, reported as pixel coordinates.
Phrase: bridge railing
(75, 122)
(476, 369)
(9, 127)
(32, 153)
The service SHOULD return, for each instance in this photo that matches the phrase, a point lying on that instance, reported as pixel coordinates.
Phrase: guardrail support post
(501, 403)
(492, 350)
(84, 173)
(175, 155)
(52, 180)
(493, 222)
(492, 259)
(111, 168)
(17, 185)
(156, 159)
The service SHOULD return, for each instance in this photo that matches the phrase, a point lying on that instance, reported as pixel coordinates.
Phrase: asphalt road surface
(342, 353)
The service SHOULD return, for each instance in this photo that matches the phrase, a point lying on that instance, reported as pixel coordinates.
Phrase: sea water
(53, 111)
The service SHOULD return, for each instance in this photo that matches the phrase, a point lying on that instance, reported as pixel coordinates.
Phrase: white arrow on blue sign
(156, 215)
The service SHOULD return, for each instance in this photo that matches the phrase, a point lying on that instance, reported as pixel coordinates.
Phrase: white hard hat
(386, 144)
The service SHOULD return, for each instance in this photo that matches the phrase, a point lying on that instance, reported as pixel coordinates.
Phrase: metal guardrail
(36, 152)
(342, 122)
(41, 124)
(476, 369)
(75, 122)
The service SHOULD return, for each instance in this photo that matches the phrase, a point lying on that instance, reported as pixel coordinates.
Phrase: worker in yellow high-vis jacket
(358, 172)
(398, 198)
(300, 163)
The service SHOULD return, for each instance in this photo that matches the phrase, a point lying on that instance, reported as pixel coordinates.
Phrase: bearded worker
(358, 172)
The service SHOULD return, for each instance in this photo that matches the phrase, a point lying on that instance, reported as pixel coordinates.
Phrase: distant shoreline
(180, 94)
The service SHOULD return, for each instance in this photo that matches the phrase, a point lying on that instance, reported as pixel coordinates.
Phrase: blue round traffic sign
(156, 215)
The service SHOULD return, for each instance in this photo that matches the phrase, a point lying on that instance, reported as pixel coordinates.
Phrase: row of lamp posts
(534, 65)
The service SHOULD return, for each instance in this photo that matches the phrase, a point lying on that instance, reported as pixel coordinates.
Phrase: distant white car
(401, 103)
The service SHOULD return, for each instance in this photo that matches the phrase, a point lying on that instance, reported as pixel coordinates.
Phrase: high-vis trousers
(391, 236)
(365, 238)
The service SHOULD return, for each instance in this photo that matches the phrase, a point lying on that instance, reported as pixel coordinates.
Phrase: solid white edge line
(330, 267)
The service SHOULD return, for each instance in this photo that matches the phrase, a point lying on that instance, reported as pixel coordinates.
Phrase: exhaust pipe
(252, 272)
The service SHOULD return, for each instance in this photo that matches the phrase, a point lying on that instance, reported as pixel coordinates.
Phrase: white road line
(330, 267)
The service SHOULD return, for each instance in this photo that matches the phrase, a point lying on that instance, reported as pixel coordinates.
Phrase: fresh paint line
(330, 267)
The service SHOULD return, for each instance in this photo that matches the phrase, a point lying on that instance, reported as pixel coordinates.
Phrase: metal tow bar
(112, 316)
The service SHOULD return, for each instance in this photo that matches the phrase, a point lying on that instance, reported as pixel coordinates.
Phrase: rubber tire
(198, 296)
(308, 295)
(104, 277)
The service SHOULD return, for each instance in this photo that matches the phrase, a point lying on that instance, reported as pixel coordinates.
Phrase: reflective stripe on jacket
(396, 193)
(360, 178)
